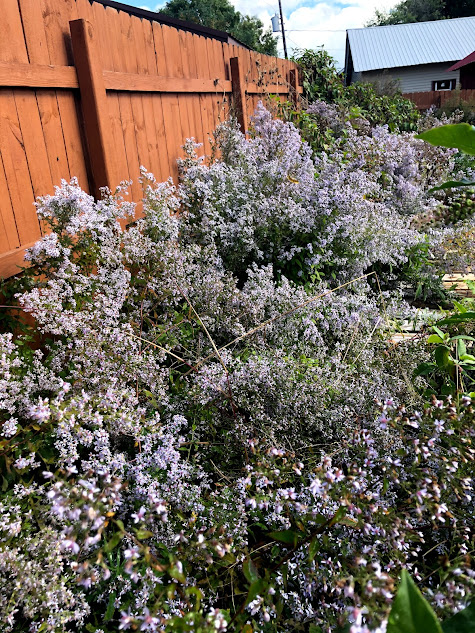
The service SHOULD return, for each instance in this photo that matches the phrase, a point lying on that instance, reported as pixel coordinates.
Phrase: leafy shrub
(321, 81)
(202, 443)
(338, 216)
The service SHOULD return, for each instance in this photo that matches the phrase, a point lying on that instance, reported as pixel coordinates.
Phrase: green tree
(221, 15)
(423, 11)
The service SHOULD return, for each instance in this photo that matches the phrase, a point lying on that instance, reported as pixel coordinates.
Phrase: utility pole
(275, 27)
(283, 31)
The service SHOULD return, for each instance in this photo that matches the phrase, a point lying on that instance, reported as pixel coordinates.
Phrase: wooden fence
(424, 100)
(92, 92)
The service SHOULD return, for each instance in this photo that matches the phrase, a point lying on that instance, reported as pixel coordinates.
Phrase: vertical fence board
(212, 74)
(122, 109)
(239, 93)
(16, 170)
(8, 229)
(174, 60)
(56, 31)
(157, 102)
(101, 23)
(150, 68)
(204, 100)
(172, 112)
(136, 99)
(165, 100)
(15, 107)
(195, 102)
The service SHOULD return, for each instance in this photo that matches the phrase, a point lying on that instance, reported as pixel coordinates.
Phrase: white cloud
(321, 24)
(310, 24)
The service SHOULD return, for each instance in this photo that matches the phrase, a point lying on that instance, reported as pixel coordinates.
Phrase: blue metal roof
(379, 47)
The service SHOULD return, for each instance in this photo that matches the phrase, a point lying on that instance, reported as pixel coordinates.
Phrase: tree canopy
(221, 15)
(423, 11)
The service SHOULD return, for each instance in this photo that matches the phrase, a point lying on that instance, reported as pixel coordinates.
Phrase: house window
(444, 84)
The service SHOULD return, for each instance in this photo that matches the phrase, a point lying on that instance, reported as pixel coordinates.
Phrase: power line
(320, 30)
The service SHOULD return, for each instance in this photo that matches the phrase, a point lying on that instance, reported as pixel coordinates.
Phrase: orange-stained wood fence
(424, 100)
(93, 92)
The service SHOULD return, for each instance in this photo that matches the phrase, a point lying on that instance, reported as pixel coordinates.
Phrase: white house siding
(412, 78)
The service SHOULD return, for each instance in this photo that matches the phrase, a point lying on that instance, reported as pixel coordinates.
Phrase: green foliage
(410, 612)
(410, 11)
(221, 15)
(395, 111)
(459, 136)
(423, 11)
(322, 81)
(461, 622)
(452, 369)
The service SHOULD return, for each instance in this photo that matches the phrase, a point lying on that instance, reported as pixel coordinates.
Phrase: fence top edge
(161, 18)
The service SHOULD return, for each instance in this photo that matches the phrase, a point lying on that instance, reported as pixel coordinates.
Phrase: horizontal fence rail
(439, 98)
(90, 91)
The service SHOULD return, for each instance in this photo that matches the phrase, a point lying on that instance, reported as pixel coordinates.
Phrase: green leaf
(458, 318)
(143, 534)
(442, 356)
(255, 589)
(459, 136)
(461, 348)
(424, 369)
(314, 629)
(435, 338)
(410, 612)
(460, 307)
(438, 331)
(250, 571)
(313, 548)
(289, 537)
(110, 607)
(113, 542)
(176, 574)
(461, 622)
(452, 184)
(199, 596)
(339, 514)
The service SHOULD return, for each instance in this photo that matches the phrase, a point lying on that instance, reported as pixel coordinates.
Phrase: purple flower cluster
(195, 445)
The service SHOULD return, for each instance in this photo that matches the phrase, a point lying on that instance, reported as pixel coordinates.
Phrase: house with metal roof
(421, 56)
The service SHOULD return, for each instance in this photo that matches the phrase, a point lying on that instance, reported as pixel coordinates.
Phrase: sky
(308, 23)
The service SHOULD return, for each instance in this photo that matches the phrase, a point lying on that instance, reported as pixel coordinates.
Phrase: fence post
(293, 81)
(94, 106)
(239, 93)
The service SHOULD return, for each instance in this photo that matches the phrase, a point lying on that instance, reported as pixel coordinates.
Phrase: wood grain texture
(94, 105)
(56, 16)
(9, 238)
(140, 82)
(16, 170)
(12, 262)
(101, 24)
(37, 76)
(239, 93)
(152, 87)
(157, 104)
